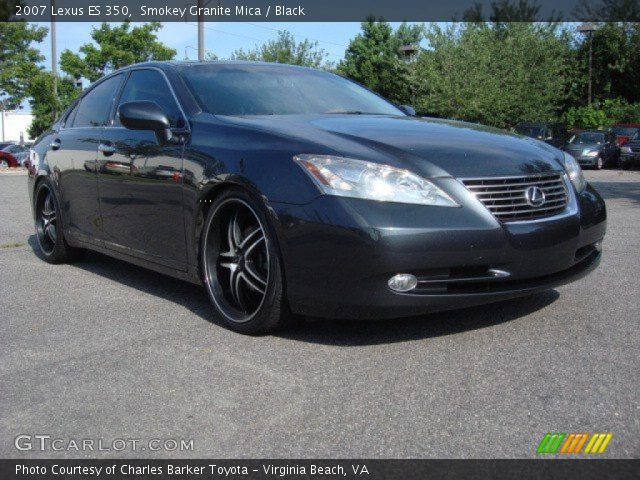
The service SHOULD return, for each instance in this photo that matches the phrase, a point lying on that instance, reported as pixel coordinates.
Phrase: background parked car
(553, 133)
(6, 158)
(630, 153)
(594, 148)
(20, 153)
(625, 131)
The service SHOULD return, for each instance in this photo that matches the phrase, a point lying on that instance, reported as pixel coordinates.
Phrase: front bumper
(339, 254)
(587, 161)
(630, 159)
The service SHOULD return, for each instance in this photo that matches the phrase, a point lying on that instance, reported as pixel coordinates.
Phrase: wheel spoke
(250, 237)
(255, 275)
(249, 249)
(47, 209)
(50, 230)
(234, 233)
(235, 288)
(250, 283)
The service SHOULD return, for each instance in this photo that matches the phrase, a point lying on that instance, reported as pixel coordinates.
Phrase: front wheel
(599, 163)
(241, 265)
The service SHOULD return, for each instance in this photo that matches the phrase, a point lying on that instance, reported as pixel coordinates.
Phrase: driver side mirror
(408, 109)
(145, 115)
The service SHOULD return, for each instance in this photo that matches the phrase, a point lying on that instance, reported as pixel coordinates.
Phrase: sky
(221, 38)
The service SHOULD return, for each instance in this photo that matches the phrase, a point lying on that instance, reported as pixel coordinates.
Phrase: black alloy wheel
(46, 221)
(241, 265)
(48, 226)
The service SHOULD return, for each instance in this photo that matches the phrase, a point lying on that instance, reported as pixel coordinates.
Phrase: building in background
(14, 126)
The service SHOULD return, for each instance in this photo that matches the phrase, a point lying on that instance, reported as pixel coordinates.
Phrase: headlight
(346, 177)
(575, 172)
(589, 153)
(625, 149)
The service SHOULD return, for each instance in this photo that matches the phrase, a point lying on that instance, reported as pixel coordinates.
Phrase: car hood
(431, 147)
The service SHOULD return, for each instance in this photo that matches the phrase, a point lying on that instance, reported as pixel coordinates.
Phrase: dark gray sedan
(594, 148)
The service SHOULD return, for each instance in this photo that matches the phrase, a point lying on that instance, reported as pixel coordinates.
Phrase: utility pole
(54, 61)
(588, 29)
(200, 31)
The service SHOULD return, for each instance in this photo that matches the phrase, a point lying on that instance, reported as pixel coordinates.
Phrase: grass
(12, 245)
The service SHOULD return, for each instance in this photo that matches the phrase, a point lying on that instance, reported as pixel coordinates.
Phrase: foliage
(44, 104)
(18, 60)
(115, 47)
(602, 114)
(465, 74)
(285, 49)
(373, 59)
(616, 63)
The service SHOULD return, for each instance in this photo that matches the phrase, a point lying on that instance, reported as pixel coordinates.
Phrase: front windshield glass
(530, 131)
(237, 89)
(587, 138)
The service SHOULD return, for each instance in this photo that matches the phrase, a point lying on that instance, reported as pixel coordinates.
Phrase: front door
(140, 180)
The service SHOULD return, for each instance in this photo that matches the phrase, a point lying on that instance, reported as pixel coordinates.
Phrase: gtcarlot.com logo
(574, 443)
(44, 443)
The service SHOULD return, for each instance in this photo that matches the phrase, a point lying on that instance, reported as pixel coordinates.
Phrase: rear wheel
(241, 265)
(48, 226)
(4, 163)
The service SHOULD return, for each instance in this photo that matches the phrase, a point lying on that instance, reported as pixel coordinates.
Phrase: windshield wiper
(352, 112)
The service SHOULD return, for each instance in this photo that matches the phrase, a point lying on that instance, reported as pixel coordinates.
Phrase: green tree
(18, 60)
(616, 63)
(44, 104)
(373, 58)
(285, 49)
(466, 73)
(115, 47)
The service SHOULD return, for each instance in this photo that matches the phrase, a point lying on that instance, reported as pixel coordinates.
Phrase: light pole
(186, 55)
(200, 31)
(54, 61)
(588, 29)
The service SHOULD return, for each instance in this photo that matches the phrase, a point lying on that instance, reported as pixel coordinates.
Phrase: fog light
(403, 282)
(598, 245)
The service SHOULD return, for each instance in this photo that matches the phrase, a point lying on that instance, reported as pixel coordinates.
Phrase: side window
(68, 121)
(150, 85)
(94, 108)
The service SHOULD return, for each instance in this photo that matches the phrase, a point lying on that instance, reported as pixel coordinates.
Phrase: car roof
(187, 63)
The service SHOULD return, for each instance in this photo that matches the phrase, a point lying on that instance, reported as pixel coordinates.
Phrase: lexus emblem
(534, 196)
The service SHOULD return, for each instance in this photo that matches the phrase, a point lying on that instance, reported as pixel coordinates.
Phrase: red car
(6, 158)
(625, 131)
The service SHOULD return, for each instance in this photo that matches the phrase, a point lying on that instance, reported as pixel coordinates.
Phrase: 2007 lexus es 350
(287, 191)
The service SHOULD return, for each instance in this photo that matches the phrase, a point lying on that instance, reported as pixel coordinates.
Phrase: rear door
(140, 180)
(72, 157)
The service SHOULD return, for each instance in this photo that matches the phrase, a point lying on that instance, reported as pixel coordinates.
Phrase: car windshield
(626, 131)
(587, 138)
(4, 145)
(530, 131)
(237, 89)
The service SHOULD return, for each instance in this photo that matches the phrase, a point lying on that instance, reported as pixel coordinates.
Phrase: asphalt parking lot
(103, 349)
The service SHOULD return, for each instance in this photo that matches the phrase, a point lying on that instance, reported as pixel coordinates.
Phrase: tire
(599, 163)
(241, 265)
(4, 163)
(49, 235)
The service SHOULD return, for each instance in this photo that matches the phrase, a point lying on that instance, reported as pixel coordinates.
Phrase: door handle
(106, 149)
(56, 144)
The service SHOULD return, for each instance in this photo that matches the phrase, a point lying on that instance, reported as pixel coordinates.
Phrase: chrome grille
(505, 196)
